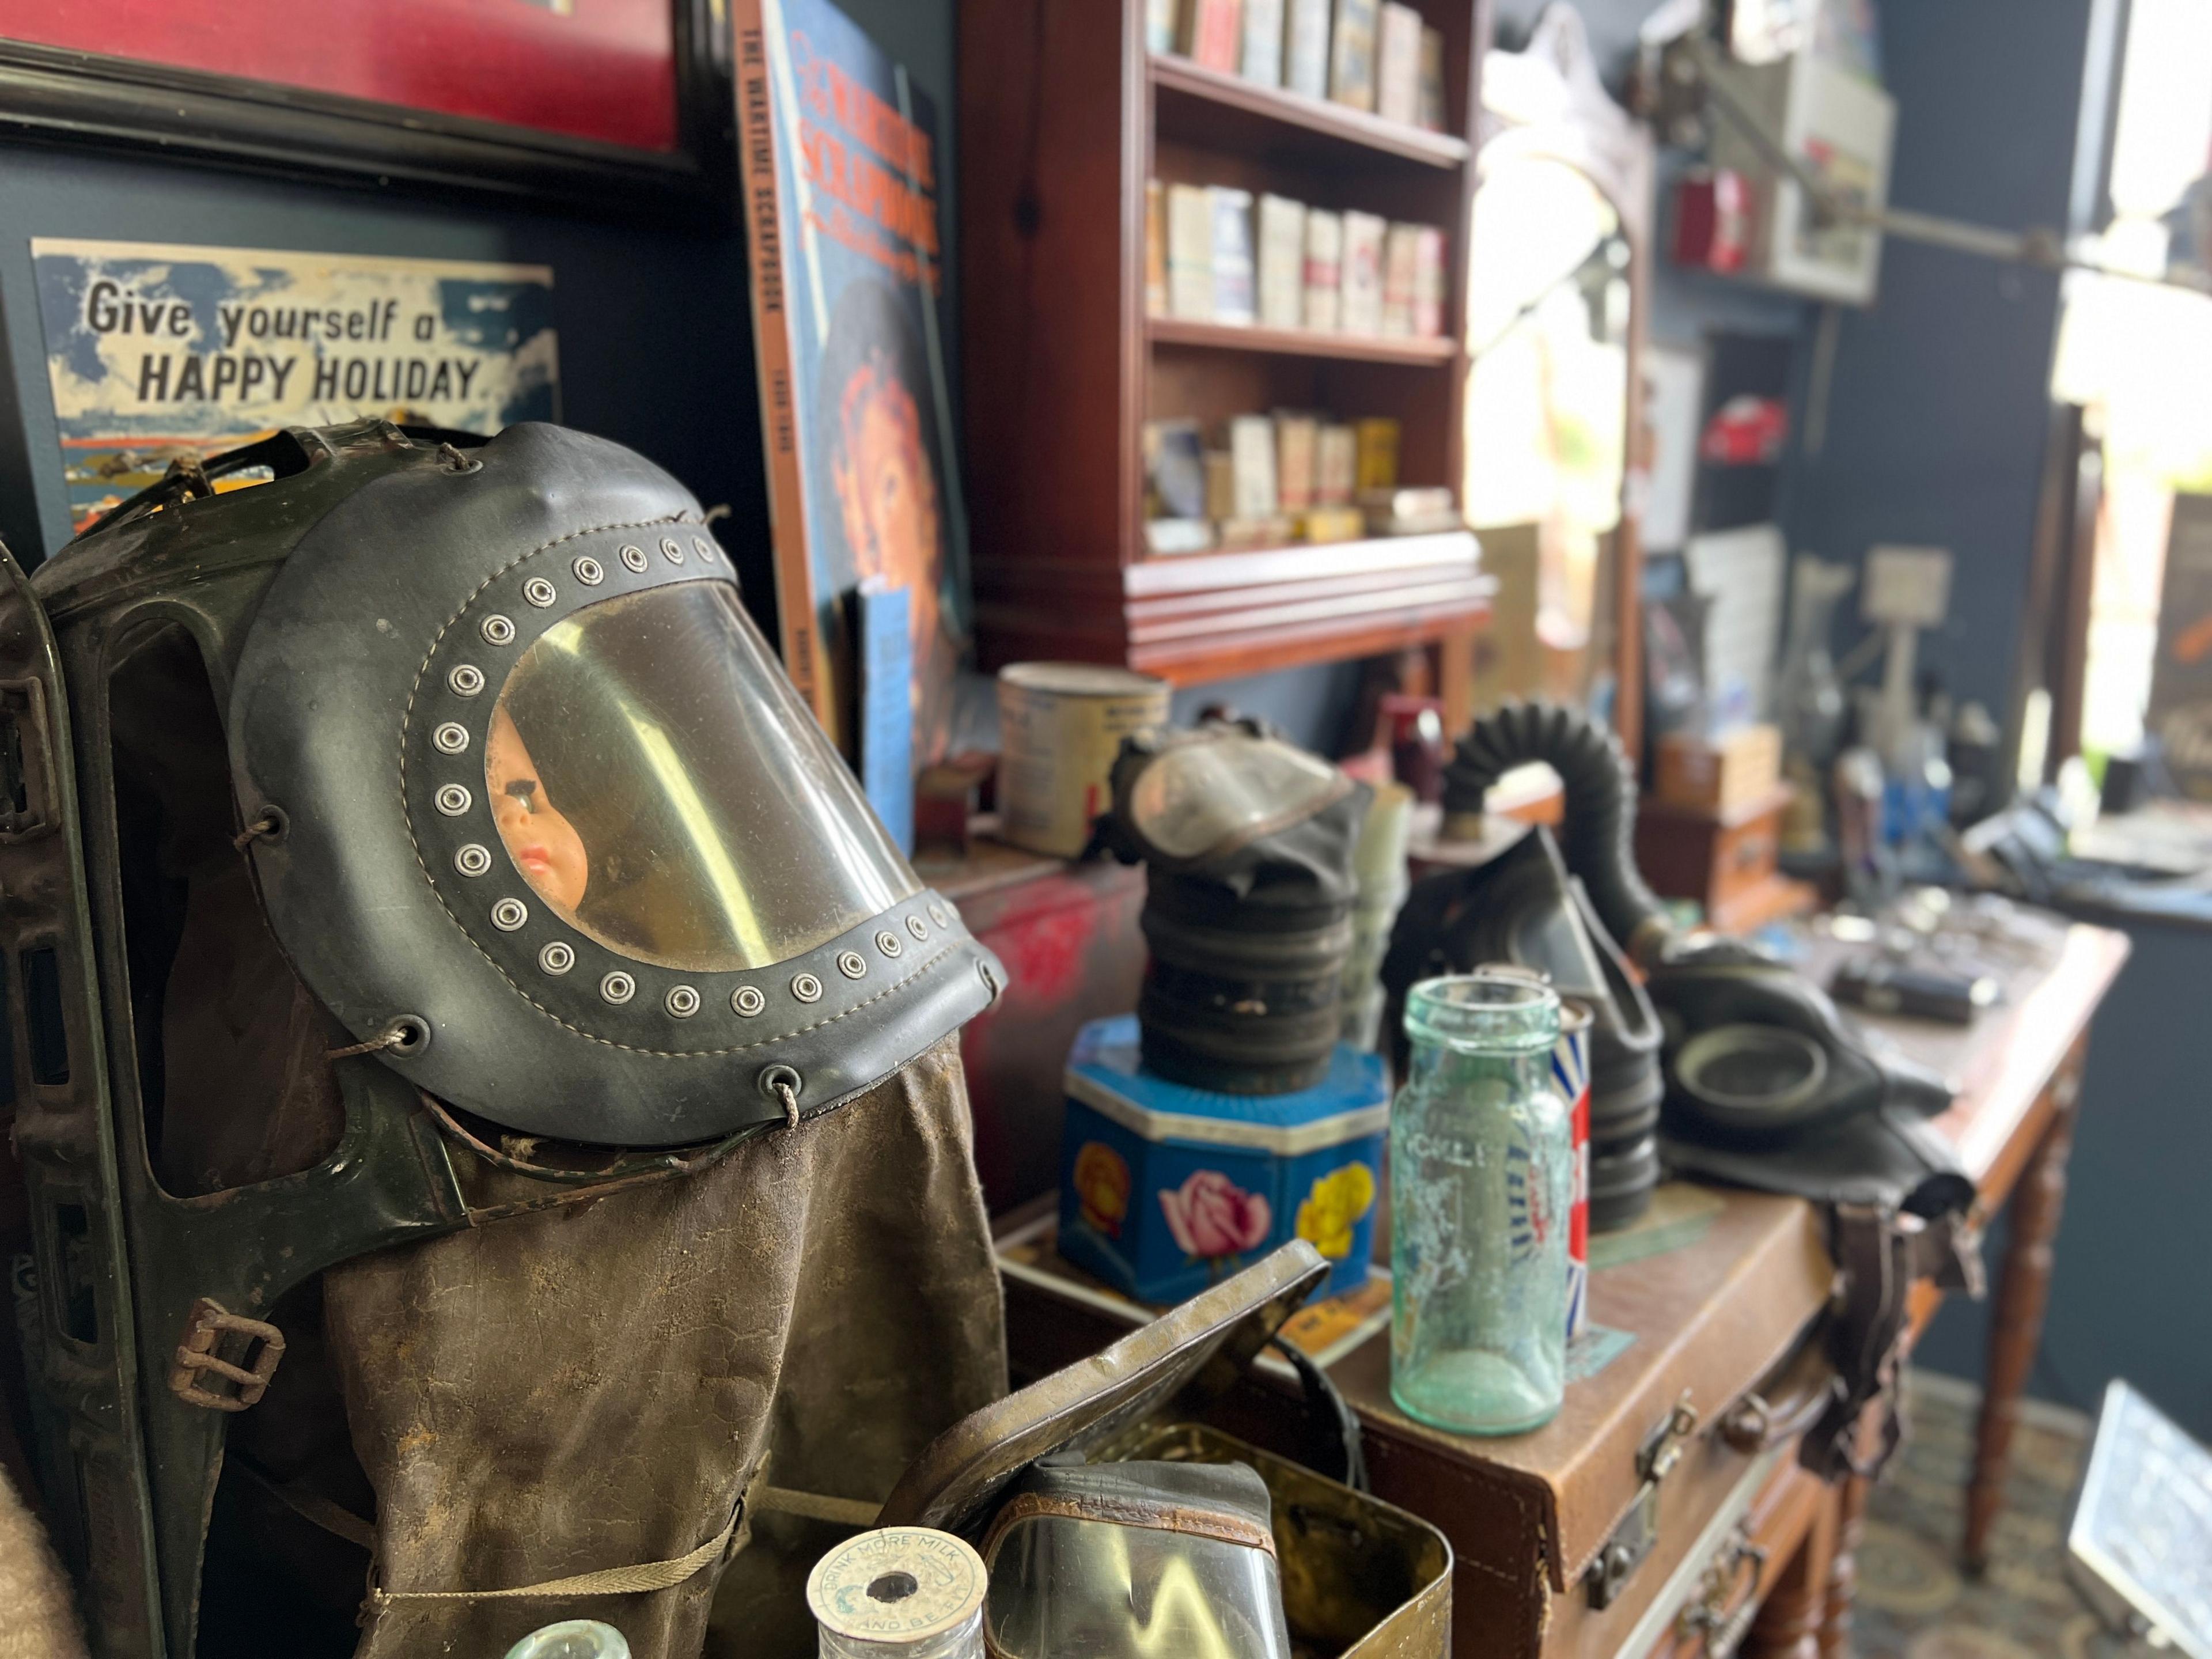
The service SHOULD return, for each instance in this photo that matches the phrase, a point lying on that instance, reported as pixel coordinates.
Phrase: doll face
(543, 845)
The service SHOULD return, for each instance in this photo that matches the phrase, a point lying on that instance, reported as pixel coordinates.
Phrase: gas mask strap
(641, 1578)
(583, 1185)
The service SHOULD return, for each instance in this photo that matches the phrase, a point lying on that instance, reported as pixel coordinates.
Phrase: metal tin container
(1361, 1578)
(1060, 725)
(1164, 1186)
(1571, 1070)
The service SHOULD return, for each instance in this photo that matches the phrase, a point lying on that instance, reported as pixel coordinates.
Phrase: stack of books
(1306, 268)
(1380, 57)
(1271, 480)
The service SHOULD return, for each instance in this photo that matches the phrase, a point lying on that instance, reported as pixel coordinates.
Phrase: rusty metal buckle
(209, 1324)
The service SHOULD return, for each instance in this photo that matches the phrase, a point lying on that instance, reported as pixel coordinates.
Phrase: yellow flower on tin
(1336, 1204)
(1102, 1187)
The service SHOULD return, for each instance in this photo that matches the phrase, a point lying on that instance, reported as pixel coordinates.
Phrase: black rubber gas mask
(1766, 1085)
(1247, 844)
(420, 839)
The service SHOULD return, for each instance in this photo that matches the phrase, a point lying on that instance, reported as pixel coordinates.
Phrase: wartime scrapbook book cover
(840, 186)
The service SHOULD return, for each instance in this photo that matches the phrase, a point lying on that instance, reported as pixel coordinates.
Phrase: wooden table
(2018, 1072)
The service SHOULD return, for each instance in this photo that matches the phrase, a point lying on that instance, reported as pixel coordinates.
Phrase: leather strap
(1881, 1251)
(814, 1506)
(640, 1578)
(330, 1516)
(1341, 1422)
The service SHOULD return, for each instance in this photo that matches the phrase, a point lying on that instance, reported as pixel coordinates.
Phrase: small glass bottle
(1481, 1187)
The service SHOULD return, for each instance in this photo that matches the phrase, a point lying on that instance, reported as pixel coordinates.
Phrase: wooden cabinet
(1064, 116)
(1726, 860)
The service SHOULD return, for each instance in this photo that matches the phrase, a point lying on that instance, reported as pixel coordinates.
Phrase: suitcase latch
(1638, 1530)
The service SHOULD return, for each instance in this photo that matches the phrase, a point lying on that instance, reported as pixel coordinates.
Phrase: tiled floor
(1915, 1603)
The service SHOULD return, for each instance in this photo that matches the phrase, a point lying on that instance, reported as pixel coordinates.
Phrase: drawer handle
(1709, 1615)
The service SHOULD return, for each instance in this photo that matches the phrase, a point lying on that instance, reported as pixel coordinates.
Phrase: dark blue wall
(1938, 415)
(2128, 1292)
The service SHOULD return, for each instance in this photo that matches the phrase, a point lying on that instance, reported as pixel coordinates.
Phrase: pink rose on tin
(1211, 1216)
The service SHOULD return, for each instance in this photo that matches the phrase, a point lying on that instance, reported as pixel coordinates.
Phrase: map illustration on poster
(155, 352)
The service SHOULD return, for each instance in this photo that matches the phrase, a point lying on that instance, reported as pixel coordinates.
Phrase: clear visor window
(1200, 797)
(1062, 1585)
(659, 784)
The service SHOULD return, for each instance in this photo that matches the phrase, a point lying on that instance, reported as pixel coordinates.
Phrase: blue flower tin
(1165, 1188)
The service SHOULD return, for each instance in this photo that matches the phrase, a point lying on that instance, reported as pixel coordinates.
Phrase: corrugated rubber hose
(1599, 836)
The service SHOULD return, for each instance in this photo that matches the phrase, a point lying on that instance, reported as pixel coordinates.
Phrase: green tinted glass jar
(1481, 1185)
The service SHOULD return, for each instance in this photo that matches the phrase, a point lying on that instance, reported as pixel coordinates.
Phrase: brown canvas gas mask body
(474, 1045)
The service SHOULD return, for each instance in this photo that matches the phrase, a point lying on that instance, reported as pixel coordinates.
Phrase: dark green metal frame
(128, 1465)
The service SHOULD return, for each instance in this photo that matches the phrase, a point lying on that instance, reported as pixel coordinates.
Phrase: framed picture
(617, 106)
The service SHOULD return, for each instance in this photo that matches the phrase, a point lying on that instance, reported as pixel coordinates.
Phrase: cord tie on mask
(405, 1034)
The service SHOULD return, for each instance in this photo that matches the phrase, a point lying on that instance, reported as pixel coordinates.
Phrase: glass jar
(1481, 1187)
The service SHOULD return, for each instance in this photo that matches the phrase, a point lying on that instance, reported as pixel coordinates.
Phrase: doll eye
(525, 791)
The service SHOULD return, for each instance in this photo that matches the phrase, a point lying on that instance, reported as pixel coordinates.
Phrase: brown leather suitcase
(1565, 1539)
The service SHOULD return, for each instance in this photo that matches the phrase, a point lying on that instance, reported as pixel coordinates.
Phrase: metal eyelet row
(467, 680)
(509, 915)
(682, 1002)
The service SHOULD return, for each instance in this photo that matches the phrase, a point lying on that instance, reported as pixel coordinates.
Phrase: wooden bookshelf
(1064, 116)
(1190, 100)
(1301, 343)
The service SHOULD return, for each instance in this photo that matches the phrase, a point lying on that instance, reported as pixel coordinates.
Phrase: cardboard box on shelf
(1282, 262)
(1336, 466)
(1428, 282)
(1233, 275)
(1362, 298)
(1164, 537)
(1243, 535)
(1334, 524)
(1352, 54)
(1156, 248)
(1296, 439)
(1252, 447)
(1430, 113)
(1398, 63)
(1305, 48)
(1324, 270)
(1720, 775)
(1262, 56)
(1213, 32)
(1190, 252)
(1378, 455)
(1401, 258)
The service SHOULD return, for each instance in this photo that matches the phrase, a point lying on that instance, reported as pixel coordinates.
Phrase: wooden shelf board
(1205, 617)
(1298, 123)
(1234, 654)
(1301, 342)
(1193, 573)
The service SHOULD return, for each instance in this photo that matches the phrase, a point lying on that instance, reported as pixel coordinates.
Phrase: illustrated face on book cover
(884, 456)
